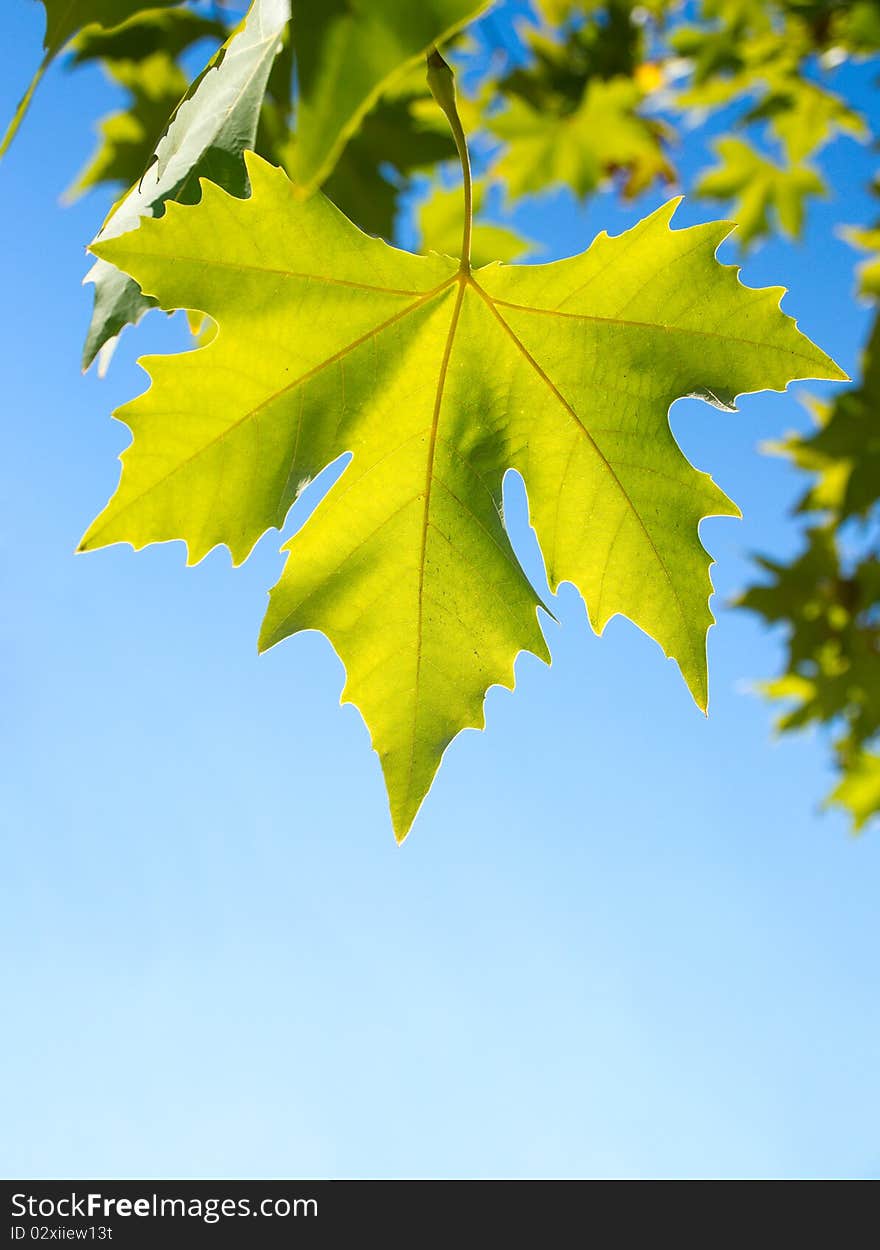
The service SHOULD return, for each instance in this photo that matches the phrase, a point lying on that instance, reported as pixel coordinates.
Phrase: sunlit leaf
(437, 381)
(859, 791)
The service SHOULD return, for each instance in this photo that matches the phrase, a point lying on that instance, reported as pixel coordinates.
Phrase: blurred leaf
(439, 221)
(346, 55)
(764, 194)
(171, 31)
(128, 138)
(855, 26)
(395, 140)
(859, 791)
(610, 45)
(869, 270)
(808, 595)
(844, 452)
(832, 620)
(804, 117)
(728, 58)
(64, 19)
(603, 137)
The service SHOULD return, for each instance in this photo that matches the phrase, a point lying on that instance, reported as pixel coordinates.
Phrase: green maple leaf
(347, 53)
(64, 19)
(438, 379)
(169, 30)
(213, 125)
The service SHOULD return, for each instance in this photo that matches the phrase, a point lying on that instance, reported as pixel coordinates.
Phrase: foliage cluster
(593, 95)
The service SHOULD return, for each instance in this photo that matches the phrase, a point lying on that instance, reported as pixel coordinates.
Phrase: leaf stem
(441, 80)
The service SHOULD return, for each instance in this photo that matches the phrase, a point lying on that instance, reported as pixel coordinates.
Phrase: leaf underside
(207, 136)
(438, 382)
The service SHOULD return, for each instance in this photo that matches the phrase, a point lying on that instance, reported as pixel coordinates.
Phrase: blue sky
(622, 939)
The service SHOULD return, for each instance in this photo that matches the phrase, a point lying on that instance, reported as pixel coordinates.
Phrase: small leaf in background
(346, 55)
(869, 270)
(765, 196)
(213, 126)
(859, 791)
(844, 453)
(828, 602)
(437, 381)
(604, 136)
(804, 117)
(829, 609)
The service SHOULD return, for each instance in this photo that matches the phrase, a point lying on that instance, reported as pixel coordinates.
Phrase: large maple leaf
(438, 380)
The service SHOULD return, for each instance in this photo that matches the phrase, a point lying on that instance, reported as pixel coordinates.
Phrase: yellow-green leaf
(437, 381)
(859, 790)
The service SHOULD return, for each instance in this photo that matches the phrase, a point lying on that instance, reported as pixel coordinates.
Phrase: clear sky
(622, 939)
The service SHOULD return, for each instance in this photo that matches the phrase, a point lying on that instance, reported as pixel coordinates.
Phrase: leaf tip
(697, 682)
(87, 542)
(401, 834)
(700, 693)
(671, 207)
